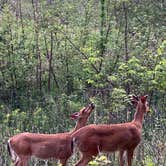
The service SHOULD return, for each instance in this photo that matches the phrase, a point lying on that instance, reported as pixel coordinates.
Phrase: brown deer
(23, 146)
(92, 139)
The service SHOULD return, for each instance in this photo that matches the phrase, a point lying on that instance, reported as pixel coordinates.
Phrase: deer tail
(8, 148)
(11, 151)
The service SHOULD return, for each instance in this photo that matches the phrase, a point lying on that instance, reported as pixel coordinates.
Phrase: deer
(23, 146)
(123, 137)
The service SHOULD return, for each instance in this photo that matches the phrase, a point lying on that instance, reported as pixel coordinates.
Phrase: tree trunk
(50, 62)
(35, 6)
(127, 87)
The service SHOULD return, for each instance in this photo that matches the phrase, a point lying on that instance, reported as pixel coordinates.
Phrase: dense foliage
(57, 56)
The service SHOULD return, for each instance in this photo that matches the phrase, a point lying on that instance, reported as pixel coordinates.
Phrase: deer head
(83, 113)
(140, 102)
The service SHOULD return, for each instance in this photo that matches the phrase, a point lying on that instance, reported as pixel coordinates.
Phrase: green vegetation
(57, 56)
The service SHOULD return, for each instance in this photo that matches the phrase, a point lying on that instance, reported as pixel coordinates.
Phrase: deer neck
(139, 117)
(79, 125)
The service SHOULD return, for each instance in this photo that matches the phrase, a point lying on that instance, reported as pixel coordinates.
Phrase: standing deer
(92, 139)
(23, 146)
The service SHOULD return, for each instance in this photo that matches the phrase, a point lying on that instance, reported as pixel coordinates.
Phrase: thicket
(57, 56)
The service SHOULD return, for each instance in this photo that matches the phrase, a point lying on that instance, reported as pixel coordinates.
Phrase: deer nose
(92, 105)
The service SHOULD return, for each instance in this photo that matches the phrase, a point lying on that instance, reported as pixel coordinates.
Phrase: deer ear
(84, 110)
(134, 100)
(92, 105)
(134, 103)
(144, 98)
(74, 116)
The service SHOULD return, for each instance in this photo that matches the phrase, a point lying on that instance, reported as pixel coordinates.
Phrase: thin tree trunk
(12, 63)
(21, 18)
(102, 44)
(50, 61)
(38, 56)
(48, 56)
(102, 17)
(125, 8)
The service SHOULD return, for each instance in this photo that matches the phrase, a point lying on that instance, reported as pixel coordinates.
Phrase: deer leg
(63, 161)
(84, 160)
(121, 158)
(23, 161)
(130, 156)
(16, 163)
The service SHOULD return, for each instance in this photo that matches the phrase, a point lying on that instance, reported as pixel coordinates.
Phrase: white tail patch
(14, 156)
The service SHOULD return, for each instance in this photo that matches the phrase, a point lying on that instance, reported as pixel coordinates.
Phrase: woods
(57, 56)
